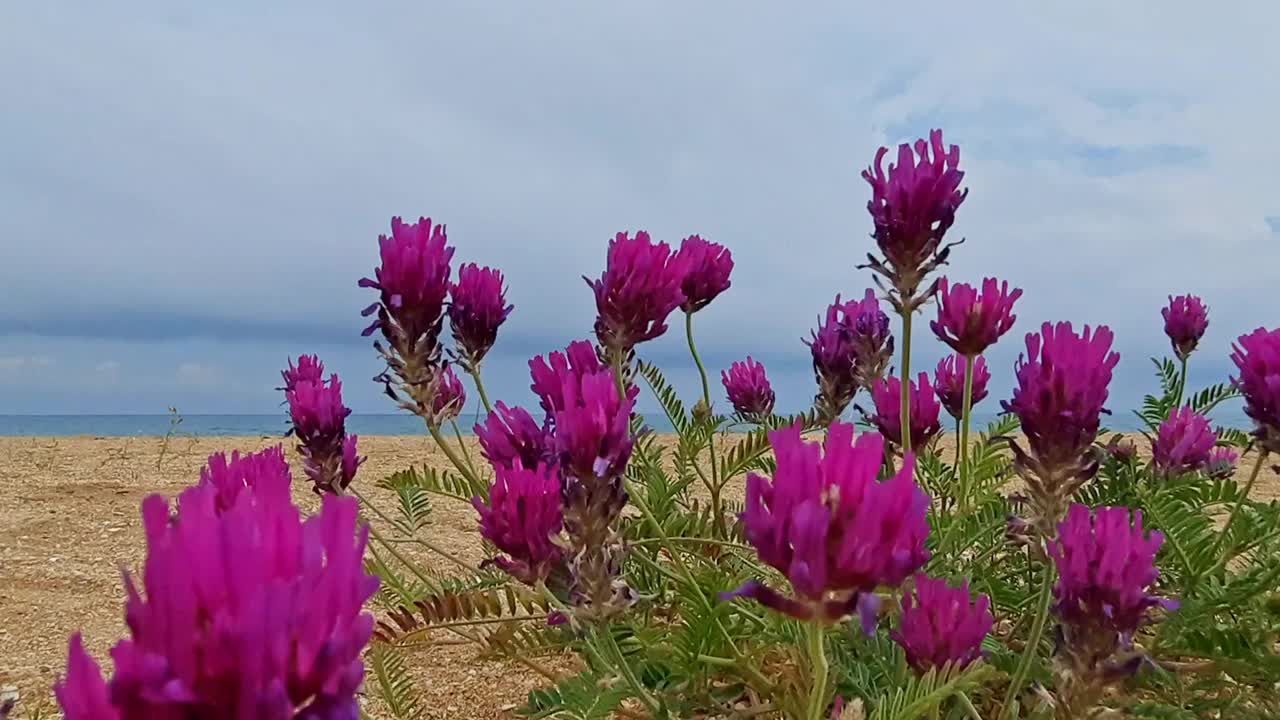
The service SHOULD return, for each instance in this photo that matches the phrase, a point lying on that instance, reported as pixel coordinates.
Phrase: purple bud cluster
(924, 407)
(1185, 320)
(948, 383)
(851, 350)
(318, 418)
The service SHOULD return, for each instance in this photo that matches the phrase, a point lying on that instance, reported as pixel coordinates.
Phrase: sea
(361, 424)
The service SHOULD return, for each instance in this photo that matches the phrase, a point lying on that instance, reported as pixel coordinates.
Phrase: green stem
(715, 484)
(906, 381)
(814, 633)
(1235, 509)
(627, 673)
(1033, 642)
(463, 467)
(484, 397)
(417, 541)
(1182, 384)
(457, 434)
(965, 415)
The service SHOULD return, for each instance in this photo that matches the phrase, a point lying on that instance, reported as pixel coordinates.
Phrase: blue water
(372, 424)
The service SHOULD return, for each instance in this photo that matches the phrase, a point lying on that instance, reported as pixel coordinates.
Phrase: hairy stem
(627, 673)
(905, 373)
(484, 397)
(965, 415)
(716, 482)
(814, 633)
(1033, 642)
(1235, 509)
(462, 445)
(462, 466)
(1182, 384)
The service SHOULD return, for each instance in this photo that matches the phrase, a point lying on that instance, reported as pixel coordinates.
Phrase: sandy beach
(71, 524)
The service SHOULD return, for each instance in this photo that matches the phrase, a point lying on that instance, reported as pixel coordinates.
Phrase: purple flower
(510, 437)
(1061, 388)
(640, 287)
(831, 527)
(912, 207)
(748, 389)
(948, 383)
(550, 374)
(523, 518)
(941, 624)
(1221, 463)
(1106, 569)
(1185, 320)
(413, 283)
(319, 422)
(229, 478)
(887, 396)
(1257, 356)
(477, 308)
(593, 429)
(850, 350)
(449, 397)
(309, 369)
(707, 267)
(969, 321)
(1183, 442)
(248, 613)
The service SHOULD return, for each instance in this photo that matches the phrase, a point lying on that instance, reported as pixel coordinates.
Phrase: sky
(190, 191)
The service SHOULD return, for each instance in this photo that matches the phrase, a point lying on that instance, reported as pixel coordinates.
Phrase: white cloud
(192, 374)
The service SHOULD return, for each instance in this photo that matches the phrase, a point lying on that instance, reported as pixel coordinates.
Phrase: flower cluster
(308, 369)
(1185, 320)
(318, 420)
(1106, 569)
(230, 477)
(748, 389)
(1221, 463)
(851, 349)
(969, 321)
(413, 284)
(1061, 388)
(249, 612)
(912, 207)
(510, 437)
(924, 425)
(942, 625)
(522, 518)
(828, 524)
(448, 399)
(1183, 442)
(706, 266)
(948, 383)
(477, 308)
(640, 287)
(1257, 358)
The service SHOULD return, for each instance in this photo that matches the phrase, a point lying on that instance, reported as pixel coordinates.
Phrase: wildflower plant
(754, 563)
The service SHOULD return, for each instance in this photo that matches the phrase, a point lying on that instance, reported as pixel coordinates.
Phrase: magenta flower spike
(748, 389)
(1221, 463)
(551, 374)
(707, 267)
(308, 369)
(912, 207)
(523, 518)
(449, 397)
(247, 613)
(413, 284)
(510, 437)
(640, 287)
(851, 349)
(1061, 389)
(1185, 320)
(969, 321)
(319, 422)
(942, 625)
(1183, 442)
(887, 396)
(948, 384)
(1257, 358)
(831, 527)
(230, 477)
(477, 308)
(593, 430)
(1106, 570)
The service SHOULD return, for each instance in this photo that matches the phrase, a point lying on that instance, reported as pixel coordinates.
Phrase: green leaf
(436, 481)
(581, 697)
(395, 687)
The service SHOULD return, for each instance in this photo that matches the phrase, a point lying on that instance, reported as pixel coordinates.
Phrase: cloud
(15, 363)
(215, 176)
(198, 375)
